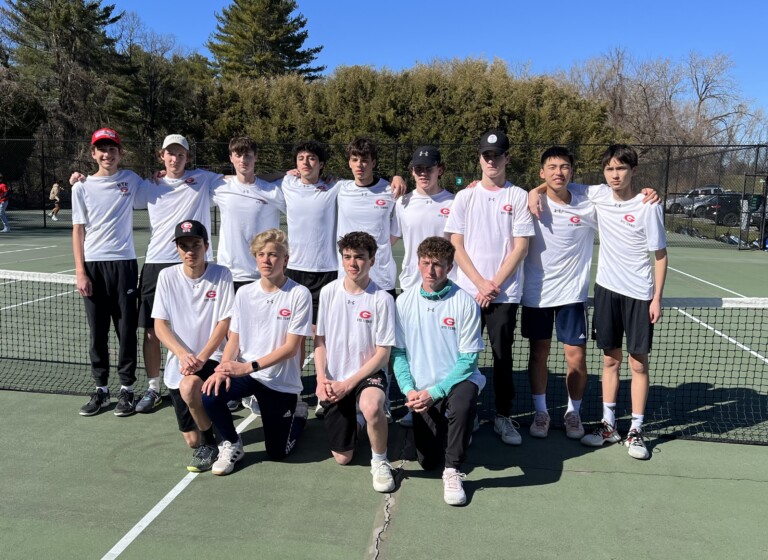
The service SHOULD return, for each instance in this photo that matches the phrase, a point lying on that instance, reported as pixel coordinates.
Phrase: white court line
(723, 335)
(705, 282)
(30, 249)
(144, 522)
(30, 302)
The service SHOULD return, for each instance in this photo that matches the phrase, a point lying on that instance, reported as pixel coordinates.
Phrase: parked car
(725, 209)
(676, 204)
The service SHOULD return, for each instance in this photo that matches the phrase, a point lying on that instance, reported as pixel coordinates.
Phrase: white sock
(378, 456)
(573, 406)
(129, 389)
(637, 422)
(609, 413)
(104, 388)
(540, 402)
(154, 384)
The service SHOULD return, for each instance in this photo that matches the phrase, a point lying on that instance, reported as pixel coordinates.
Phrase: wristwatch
(255, 366)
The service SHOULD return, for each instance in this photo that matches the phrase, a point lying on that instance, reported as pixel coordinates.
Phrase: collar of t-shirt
(434, 296)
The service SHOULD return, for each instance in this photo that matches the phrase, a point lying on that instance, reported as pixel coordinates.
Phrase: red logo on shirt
(365, 315)
(445, 211)
(123, 189)
(285, 312)
(381, 202)
(210, 294)
(507, 208)
(449, 322)
(190, 181)
(629, 218)
(575, 220)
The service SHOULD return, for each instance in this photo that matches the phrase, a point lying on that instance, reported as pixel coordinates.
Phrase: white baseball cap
(175, 139)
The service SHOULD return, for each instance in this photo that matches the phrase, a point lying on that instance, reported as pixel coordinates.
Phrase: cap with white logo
(175, 139)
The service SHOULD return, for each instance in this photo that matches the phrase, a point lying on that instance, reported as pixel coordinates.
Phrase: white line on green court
(705, 282)
(723, 335)
(145, 521)
(30, 249)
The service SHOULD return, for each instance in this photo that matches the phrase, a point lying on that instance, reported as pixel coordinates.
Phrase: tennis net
(709, 364)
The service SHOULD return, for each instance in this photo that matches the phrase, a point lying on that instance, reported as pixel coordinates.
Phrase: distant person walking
(3, 205)
(55, 196)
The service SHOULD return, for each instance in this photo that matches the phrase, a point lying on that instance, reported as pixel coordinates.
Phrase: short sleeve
(385, 319)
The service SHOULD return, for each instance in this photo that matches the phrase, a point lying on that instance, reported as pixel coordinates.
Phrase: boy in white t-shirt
(628, 290)
(490, 225)
(192, 310)
(355, 332)
(270, 320)
(106, 267)
(435, 361)
(555, 289)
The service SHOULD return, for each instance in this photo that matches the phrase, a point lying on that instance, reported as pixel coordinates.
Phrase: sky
(545, 36)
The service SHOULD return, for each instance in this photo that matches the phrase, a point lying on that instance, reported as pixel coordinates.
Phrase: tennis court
(106, 486)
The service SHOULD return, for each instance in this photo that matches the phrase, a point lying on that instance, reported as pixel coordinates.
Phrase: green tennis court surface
(77, 487)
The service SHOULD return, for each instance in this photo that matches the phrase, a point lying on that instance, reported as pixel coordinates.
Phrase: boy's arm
(188, 362)
(513, 260)
(402, 370)
(218, 334)
(660, 277)
(233, 368)
(377, 362)
(463, 368)
(84, 287)
(485, 288)
(321, 363)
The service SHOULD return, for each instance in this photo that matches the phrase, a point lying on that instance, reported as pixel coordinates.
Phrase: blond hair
(270, 236)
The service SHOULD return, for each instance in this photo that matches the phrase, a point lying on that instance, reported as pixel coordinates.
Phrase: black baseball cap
(190, 228)
(428, 156)
(494, 141)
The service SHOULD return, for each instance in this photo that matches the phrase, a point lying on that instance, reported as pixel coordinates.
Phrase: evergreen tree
(260, 38)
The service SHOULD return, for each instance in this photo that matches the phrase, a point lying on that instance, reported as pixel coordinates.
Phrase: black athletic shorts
(147, 286)
(616, 315)
(183, 416)
(314, 282)
(340, 418)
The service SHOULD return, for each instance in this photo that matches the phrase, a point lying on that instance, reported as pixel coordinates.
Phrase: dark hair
(361, 147)
(621, 152)
(358, 240)
(557, 152)
(313, 147)
(241, 145)
(436, 248)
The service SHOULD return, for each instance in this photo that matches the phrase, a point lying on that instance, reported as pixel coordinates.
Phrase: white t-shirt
(560, 254)
(193, 308)
(435, 332)
(628, 231)
(372, 210)
(105, 206)
(246, 211)
(264, 320)
(420, 216)
(172, 201)
(489, 221)
(311, 221)
(353, 326)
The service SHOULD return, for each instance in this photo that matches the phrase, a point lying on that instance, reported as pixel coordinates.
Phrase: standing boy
(556, 287)
(271, 317)
(490, 226)
(435, 360)
(192, 309)
(106, 267)
(3, 205)
(355, 332)
(628, 290)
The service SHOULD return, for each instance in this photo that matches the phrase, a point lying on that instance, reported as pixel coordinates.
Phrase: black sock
(208, 437)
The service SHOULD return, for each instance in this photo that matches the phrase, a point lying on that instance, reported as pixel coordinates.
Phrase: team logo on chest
(381, 203)
(284, 314)
(629, 220)
(448, 323)
(210, 295)
(190, 181)
(123, 189)
(507, 209)
(365, 317)
(445, 212)
(574, 221)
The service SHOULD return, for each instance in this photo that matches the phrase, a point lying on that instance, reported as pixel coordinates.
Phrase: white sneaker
(453, 491)
(540, 426)
(252, 404)
(407, 420)
(5, 230)
(54, 218)
(604, 433)
(574, 429)
(507, 429)
(229, 454)
(383, 481)
(636, 445)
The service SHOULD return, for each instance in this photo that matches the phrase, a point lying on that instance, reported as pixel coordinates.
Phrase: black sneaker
(126, 403)
(203, 458)
(150, 401)
(99, 400)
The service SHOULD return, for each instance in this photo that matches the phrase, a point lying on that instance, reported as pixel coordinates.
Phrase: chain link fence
(714, 196)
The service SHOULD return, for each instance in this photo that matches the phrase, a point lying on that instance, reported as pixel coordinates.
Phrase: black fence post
(42, 180)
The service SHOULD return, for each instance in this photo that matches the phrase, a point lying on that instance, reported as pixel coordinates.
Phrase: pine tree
(260, 38)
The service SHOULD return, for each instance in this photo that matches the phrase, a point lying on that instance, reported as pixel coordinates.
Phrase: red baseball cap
(105, 134)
